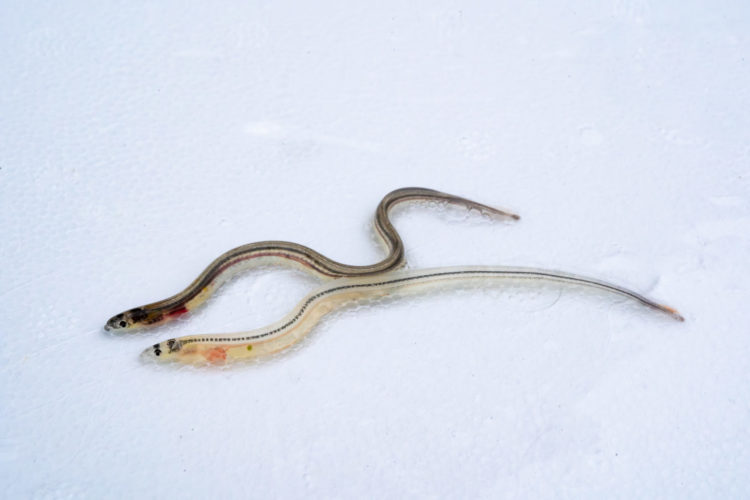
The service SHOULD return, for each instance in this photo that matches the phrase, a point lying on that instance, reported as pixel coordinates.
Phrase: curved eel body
(224, 348)
(286, 253)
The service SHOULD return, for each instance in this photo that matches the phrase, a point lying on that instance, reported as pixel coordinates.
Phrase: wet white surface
(139, 141)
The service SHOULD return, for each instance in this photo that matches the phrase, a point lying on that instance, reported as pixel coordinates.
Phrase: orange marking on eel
(216, 354)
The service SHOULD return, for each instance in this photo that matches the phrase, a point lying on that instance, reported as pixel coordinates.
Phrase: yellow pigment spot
(249, 348)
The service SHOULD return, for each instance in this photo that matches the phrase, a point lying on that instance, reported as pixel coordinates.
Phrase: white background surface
(139, 140)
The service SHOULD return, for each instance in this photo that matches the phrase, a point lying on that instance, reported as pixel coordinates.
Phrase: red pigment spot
(179, 311)
(216, 354)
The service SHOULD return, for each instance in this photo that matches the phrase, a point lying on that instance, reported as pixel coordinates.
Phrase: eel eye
(123, 324)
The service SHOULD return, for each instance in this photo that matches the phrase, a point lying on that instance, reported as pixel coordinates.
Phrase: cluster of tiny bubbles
(455, 214)
(452, 213)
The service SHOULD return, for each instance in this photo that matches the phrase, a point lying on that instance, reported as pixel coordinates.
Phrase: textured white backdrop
(139, 140)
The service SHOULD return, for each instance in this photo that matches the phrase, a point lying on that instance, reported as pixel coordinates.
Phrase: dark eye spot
(123, 324)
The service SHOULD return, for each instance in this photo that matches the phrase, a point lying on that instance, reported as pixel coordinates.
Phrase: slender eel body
(286, 253)
(222, 348)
